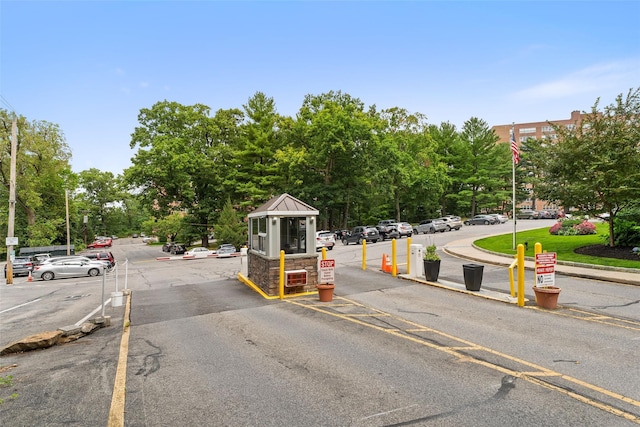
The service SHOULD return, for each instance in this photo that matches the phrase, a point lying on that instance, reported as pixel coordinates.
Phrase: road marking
(116, 411)
(539, 375)
(85, 318)
(18, 306)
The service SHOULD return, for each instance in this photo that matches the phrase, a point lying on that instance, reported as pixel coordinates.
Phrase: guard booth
(287, 224)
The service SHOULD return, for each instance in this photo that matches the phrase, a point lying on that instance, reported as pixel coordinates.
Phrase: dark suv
(360, 233)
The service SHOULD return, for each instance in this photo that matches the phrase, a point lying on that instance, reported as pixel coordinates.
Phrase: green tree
(595, 165)
(230, 229)
(337, 170)
(256, 168)
(487, 167)
(42, 176)
(182, 158)
(101, 198)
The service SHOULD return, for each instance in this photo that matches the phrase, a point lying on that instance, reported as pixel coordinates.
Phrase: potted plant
(547, 296)
(431, 262)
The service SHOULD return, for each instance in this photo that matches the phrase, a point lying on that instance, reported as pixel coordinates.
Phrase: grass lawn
(563, 246)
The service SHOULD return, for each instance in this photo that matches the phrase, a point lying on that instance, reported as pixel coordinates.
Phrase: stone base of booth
(265, 272)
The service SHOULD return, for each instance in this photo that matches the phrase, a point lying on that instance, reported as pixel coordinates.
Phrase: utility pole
(11, 240)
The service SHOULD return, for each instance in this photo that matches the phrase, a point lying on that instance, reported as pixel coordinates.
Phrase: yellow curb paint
(116, 412)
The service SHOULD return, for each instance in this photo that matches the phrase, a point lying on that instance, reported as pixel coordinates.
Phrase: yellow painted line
(603, 319)
(533, 376)
(116, 412)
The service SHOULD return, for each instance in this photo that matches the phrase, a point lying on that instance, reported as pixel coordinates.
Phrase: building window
(570, 127)
(259, 234)
(293, 233)
(527, 130)
(547, 129)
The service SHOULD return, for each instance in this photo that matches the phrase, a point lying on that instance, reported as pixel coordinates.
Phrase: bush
(572, 228)
(626, 233)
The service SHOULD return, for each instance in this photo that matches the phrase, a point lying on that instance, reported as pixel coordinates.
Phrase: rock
(34, 342)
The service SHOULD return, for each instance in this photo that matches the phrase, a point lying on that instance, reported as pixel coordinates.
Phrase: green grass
(563, 246)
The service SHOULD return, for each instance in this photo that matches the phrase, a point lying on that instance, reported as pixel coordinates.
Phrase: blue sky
(90, 66)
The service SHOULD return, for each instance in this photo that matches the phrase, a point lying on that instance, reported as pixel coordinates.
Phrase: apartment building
(537, 130)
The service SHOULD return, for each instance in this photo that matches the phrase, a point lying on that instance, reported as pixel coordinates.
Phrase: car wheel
(345, 242)
(94, 272)
(466, 223)
(330, 248)
(47, 276)
(359, 240)
(448, 228)
(486, 222)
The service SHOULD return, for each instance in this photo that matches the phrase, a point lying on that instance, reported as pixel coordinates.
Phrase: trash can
(472, 276)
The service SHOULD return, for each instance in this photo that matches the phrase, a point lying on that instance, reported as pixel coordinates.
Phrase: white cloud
(595, 79)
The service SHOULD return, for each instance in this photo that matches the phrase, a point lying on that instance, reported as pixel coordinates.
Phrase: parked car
(166, 247)
(549, 214)
(452, 222)
(106, 243)
(105, 256)
(325, 239)
(480, 219)
(21, 265)
(404, 229)
(69, 267)
(225, 251)
(385, 226)
(430, 226)
(360, 233)
(199, 252)
(500, 219)
(527, 214)
(177, 249)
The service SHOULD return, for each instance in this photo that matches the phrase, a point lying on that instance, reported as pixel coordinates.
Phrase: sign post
(545, 269)
(326, 274)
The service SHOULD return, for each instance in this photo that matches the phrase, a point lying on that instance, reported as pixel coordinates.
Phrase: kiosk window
(293, 235)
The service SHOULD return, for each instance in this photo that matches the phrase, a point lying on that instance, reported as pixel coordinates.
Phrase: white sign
(327, 271)
(545, 275)
(12, 241)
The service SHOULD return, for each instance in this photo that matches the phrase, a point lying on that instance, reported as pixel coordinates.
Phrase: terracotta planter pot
(547, 296)
(325, 292)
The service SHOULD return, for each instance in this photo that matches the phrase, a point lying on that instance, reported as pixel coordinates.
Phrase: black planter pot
(431, 270)
(472, 276)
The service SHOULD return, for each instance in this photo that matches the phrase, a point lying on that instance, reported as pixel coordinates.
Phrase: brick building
(537, 130)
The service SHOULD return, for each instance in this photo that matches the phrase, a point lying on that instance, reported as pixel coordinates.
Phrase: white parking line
(84, 319)
(21, 305)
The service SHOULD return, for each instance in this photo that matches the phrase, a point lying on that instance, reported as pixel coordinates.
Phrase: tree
(43, 174)
(486, 167)
(229, 228)
(181, 164)
(595, 165)
(255, 163)
(101, 197)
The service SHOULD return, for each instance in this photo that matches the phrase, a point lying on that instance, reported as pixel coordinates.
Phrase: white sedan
(198, 253)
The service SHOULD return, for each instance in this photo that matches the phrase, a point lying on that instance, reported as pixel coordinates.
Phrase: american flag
(514, 147)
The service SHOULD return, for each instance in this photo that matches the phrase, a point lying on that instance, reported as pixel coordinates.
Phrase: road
(206, 350)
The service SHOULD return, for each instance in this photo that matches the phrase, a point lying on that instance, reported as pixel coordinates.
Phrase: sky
(91, 66)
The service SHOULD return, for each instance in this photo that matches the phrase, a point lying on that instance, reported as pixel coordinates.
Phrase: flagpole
(513, 183)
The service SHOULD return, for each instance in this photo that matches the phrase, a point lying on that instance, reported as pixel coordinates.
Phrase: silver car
(68, 267)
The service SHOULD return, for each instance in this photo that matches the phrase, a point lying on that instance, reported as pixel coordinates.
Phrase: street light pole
(12, 201)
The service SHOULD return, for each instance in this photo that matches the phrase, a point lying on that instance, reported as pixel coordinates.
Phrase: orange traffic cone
(30, 278)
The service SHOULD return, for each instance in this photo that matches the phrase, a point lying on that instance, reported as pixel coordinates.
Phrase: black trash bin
(473, 276)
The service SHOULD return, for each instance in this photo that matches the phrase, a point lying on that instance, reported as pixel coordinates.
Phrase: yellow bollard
(394, 264)
(408, 255)
(324, 253)
(281, 287)
(364, 254)
(520, 275)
